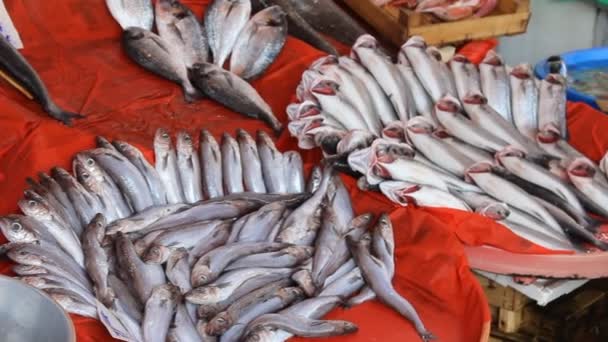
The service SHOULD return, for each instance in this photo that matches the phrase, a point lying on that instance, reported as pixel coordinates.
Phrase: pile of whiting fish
(225, 243)
(490, 139)
(183, 49)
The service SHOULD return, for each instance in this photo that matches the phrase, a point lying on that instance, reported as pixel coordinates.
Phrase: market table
(75, 47)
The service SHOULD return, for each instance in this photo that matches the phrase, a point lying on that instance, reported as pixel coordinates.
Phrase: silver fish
(346, 285)
(426, 67)
(495, 84)
(294, 171)
(250, 160)
(524, 100)
(50, 200)
(259, 44)
(394, 132)
(149, 173)
(155, 55)
(231, 165)
(335, 103)
(71, 304)
(296, 325)
(24, 229)
(224, 22)
(144, 218)
(183, 328)
(466, 76)
(50, 281)
(424, 105)
(287, 257)
(129, 304)
(552, 104)
(405, 194)
(189, 168)
(211, 165)
(132, 13)
(96, 260)
(178, 270)
(582, 173)
(470, 151)
(166, 166)
(177, 25)
(159, 311)
(272, 164)
(233, 92)
(446, 73)
(314, 180)
(354, 140)
(53, 187)
(258, 225)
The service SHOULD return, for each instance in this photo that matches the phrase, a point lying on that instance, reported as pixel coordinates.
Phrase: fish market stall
(156, 189)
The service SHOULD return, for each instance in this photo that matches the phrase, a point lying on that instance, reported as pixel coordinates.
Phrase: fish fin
(63, 116)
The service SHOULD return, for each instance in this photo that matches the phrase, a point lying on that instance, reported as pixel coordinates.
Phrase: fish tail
(59, 114)
(191, 94)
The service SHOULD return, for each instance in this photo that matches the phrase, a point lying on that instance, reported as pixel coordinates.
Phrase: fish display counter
(174, 165)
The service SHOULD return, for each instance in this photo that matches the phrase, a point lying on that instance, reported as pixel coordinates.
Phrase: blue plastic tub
(578, 60)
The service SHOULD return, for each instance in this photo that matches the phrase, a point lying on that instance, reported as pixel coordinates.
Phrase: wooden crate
(397, 24)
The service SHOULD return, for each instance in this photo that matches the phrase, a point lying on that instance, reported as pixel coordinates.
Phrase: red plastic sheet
(75, 47)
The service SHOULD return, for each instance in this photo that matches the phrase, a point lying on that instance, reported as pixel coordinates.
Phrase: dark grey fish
(17, 67)
(233, 92)
(211, 165)
(154, 54)
(259, 43)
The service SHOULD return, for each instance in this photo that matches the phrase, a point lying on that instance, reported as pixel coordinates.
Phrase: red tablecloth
(75, 46)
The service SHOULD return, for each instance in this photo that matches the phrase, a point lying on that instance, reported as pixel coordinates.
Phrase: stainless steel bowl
(29, 315)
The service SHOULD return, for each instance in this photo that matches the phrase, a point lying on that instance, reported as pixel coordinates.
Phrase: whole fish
(224, 23)
(178, 270)
(53, 187)
(53, 282)
(420, 132)
(71, 304)
(424, 105)
(552, 104)
(257, 226)
(231, 165)
(524, 100)
(446, 72)
(450, 116)
(179, 27)
(336, 104)
(426, 67)
(377, 278)
(211, 165)
(126, 299)
(470, 151)
(233, 92)
(126, 176)
(52, 202)
(272, 164)
(495, 84)
(17, 67)
(132, 13)
(142, 277)
(189, 168)
(296, 325)
(405, 193)
(24, 229)
(346, 285)
(287, 257)
(166, 166)
(144, 219)
(466, 76)
(259, 44)
(159, 311)
(294, 171)
(387, 75)
(382, 106)
(148, 172)
(253, 177)
(155, 55)
(96, 260)
(183, 328)
(210, 266)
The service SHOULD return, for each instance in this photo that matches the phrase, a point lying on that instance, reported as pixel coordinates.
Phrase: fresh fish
(142, 277)
(159, 311)
(382, 106)
(127, 301)
(420, 133)
(231, 165)
(355, 140)
(71, 304)
(346, 285)
(470, 151)
(272, 164)
(189, 168)
(65, 237)
(132, 13)
(294, 171)
(582, 174)
(178, 26)
(24, 229)
(224, 23)
(287, 257)
(54, 188)
(259, 44)
(211, 165)
(552, 104)
(28, 270)
(166, 166)
(257, 226)
(155, 55)
(388, 76)
(126, 176)
(426, 67)
(405, 193)
(17, 67)
(178, 270)
(424, 105)
(210, 266)
(449, 113)
(336, 104)
(466, 76)
(296, 325)
(50, 281)
(183, 328)
(377, 279)
(49, 199)
(524, 100)
(495, 84)
(233, 92)
(394, 132)
(144, 219)
(446, 72)
(314, 180)
(148, 172)
(96, 260)
(253, 177)
(217, 238)
(303, 278)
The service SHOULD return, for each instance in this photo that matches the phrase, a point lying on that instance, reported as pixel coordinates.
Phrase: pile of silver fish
(225, 243)
(490, 139)
(193, 54)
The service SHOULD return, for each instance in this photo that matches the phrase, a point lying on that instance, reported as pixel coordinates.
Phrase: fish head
(87, 173)
(547, 136)
(204, 71)
(260, 334)
(394, 131)
(360, 160)
(441, 134)
(62, 176)
(300, 253)
(206, 137)
(201, 275)
(168, 9)
(98, 226)
(385, 151)
(102, 142)
(167, 292)
(135, 34)
(556, 168)
(384, 227)
(308, 109)
(415, 42)
(157, 254)
(324, 61)
(15, 230)
(458, 58)
(496, 211)
(290, 294)
(493, 59)
(362, 221)
(219, 324)
(580, 168)
(522, 71)
(434, 52)
(508, 153)
(309, 77)
(34, 207)
(400, 192)
(123, 147)
(273, 16)
(184, 144)
(162, 140)
(206, 293)
(420, 125)
(475, 99)
(402, 59)
(22, 256)
(477, 169)
(327, 138)
(24, 270)
(366, 41)
(355, 139)
(325, 87)
(448, 105)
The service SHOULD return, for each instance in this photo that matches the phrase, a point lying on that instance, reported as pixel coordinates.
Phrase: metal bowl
(29, 315)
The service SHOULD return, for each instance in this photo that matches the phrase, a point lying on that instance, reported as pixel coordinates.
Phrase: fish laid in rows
(224, 21)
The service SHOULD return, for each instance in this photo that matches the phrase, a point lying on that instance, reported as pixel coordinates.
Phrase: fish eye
(220, 320)
(165, 135)
(85, 176)
(32, 203)
(16, 226)
(90, 162)
(99, 224)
